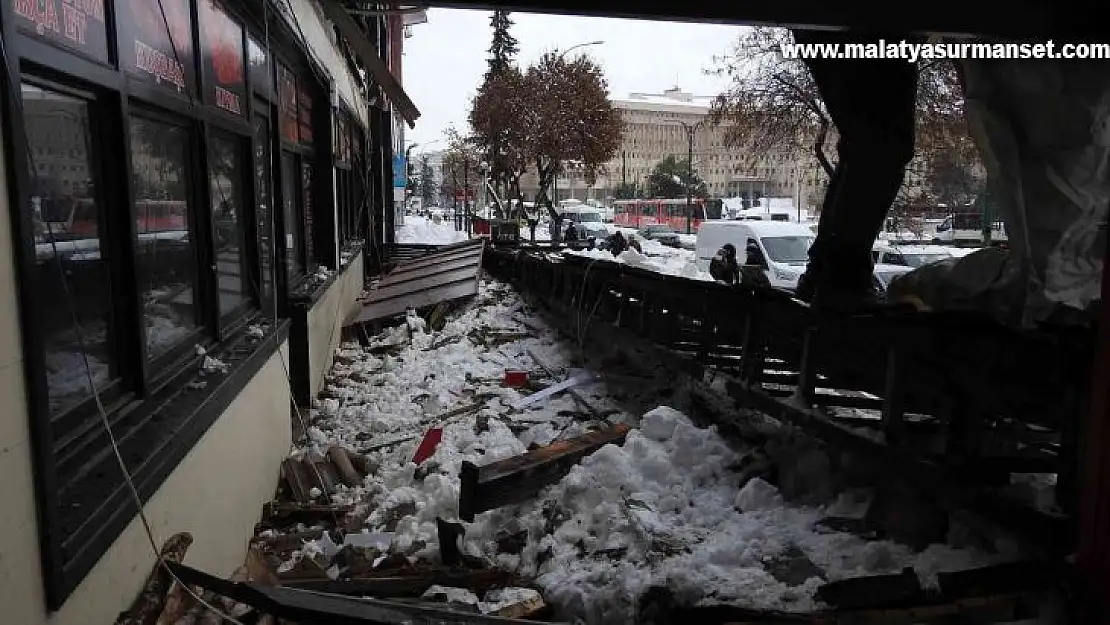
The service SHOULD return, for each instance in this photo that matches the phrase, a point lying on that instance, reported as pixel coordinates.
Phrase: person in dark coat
(752, 272)
(572, 232)
(616, 243)
(634, 244)
(723, 267)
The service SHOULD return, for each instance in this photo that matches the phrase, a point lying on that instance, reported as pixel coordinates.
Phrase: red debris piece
(428, 445)
(515, 378)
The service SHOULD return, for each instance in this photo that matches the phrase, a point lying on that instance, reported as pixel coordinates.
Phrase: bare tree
(773, 103)
(460, 164)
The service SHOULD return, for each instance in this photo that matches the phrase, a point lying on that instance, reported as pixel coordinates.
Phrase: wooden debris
(516, 479)
(341, 458)
(152, 600)
(324, 474)
(876, 591)
(409, 583)
(527, 608)
(397, 440)
(276, 513)
(298, 480)
(178, 602)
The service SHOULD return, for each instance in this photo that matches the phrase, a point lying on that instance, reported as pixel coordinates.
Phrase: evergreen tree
(504, 46)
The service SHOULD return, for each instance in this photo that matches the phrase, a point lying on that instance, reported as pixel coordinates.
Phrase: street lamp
(690, 130)
(580, 45)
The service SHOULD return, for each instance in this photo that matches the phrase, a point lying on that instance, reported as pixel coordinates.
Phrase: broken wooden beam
(152, 600)
(298, 479)
(401, 584)
(874, 591)
(313, 607)
(518, 478)
(284, 512)
(341, 458)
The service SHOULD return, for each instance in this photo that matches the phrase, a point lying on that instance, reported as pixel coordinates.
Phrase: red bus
(672, 212)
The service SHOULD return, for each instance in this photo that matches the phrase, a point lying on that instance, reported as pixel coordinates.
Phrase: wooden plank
(341, 459)
(397, 306)
(519, 478)
(298, 480)
(430, 280)
(312, 607)
(445, 258)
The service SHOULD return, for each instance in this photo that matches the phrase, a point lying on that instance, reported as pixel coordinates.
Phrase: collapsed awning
(369, 55)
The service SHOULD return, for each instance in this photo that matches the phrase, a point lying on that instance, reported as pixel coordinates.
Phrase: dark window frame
(153, 417)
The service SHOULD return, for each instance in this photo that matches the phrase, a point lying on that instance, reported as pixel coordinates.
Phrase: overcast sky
(446, 58)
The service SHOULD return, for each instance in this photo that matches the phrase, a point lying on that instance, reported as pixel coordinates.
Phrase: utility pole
(466, 192)
(690, 130)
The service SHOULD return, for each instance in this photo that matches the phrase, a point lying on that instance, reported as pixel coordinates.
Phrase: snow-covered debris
(667, 508)
(681, 263)
(664, 509)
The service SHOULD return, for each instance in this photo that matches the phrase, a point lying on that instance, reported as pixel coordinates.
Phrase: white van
(785, 246)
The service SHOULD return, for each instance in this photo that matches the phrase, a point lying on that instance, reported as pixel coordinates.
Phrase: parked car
(911, 256)
(885, 273)
(660, 232)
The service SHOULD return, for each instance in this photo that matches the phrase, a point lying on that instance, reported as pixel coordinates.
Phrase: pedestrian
(635, 244)
(723, 266)
(571, 233)
(872, 104)
(752, 272)
(616, 243)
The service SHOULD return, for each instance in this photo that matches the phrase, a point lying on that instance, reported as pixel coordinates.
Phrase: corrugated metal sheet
(447, 274)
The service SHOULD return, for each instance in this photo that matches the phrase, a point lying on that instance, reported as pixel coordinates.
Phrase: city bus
(672, 212)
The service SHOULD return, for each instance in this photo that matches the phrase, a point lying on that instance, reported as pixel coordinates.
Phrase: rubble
(551, 509)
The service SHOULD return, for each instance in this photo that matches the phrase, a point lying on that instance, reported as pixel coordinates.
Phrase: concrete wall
(248, 442)
(326, 319)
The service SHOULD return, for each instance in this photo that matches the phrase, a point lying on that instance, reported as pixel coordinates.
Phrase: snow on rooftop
(670, 99)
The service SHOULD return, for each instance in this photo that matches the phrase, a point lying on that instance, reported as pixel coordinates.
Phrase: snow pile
(429, 232)
(675, 263)
(664, 509)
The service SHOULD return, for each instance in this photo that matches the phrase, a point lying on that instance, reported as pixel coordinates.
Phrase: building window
(70, 251)
(263, 193)
(164, 246)
(229, 223)
(291, 216)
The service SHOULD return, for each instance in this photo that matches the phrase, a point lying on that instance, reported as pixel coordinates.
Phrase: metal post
(689, 172)
(466, 194)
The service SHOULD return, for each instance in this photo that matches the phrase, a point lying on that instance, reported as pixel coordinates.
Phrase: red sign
(156, 41)
(304, 110)
(287, 104)
(223, 56)
(463, 195)
(76, 24)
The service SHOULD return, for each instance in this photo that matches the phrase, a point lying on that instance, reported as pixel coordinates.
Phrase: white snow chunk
(659, 424)
(758, 494)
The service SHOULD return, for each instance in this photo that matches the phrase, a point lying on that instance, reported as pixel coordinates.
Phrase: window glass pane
(76, 25)
(287, 97)
(259, 67)
(164, 249)
(263, 220)
(228, 222)
(222, 51)
(68, 228)
(306, 210)
(156, 42)
(290, 194)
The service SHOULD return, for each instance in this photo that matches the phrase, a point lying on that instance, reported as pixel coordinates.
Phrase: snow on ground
(656, 257)
(429, 231)
(665, 508)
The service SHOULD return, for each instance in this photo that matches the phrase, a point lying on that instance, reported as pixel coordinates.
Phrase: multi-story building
(655, 127)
